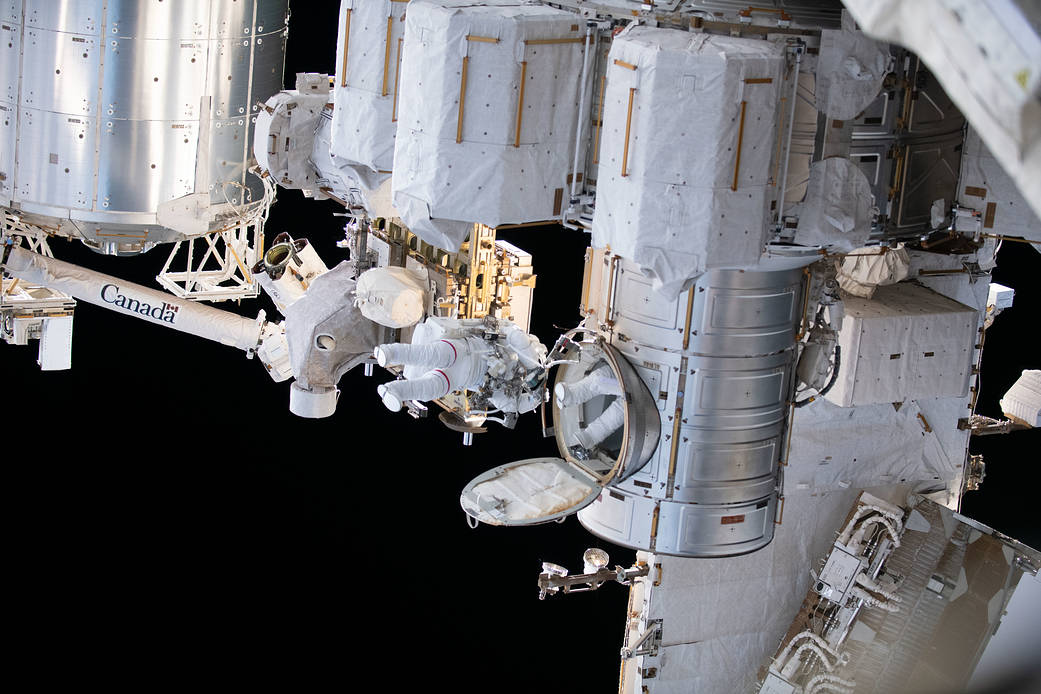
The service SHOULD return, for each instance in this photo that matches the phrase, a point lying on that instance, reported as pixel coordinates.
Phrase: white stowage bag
(391, 296)
(839, 207)
(1023, 399)
(684, 203)
(866, 269)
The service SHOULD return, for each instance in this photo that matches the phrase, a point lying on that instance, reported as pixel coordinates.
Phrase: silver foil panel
(169, 21)
(154, 80)
(10, 59)
(145, 163)
(60, 170)
(79, 17)
(59, 72)
(8, 134)
(11, 11)
(105, 105)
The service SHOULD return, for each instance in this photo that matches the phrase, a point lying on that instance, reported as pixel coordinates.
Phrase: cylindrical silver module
(719, 360)
(119, 118)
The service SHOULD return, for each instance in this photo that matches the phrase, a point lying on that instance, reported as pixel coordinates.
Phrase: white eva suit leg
(431, 355)
(603, 426)
(429, 386)
(599, 382)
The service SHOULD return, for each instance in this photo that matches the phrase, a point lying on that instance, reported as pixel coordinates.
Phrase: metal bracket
(647, 644)
(416, 410)
(552, 583)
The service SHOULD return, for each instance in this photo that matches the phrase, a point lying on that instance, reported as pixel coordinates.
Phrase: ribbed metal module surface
(719, 360)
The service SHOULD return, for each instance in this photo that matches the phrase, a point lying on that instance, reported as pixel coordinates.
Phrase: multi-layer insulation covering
(486, 112)
(906, 342)
(368, 74)
(685, 177)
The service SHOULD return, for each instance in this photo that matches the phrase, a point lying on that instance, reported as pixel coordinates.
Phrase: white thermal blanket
(284, 137)
(905, 342)
(830, 451)
(364, 118)
(391, 296)
(839, 207)
(863, 271)
(325, 310)
(850, 70)
(672, 210)
(441, 186)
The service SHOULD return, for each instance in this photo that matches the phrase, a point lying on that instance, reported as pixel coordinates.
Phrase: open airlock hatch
(607, 427)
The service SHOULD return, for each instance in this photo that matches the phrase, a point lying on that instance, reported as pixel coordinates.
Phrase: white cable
(830, 682)
(799, 637)
(794, 661)
(860, 513)
(875, 587)
(858, 592)
(858, 537)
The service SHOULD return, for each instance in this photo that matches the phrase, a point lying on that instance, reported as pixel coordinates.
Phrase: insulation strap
(397, 79)
(654, 526)
(690, 311)
(628, 127)
(386, 57)
(740, 139)
(462, 100)
(550, 42)
(520, 102)
(346, 46)
(599, 120)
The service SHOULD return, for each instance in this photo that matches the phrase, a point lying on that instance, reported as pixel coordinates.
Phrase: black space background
(165, 510)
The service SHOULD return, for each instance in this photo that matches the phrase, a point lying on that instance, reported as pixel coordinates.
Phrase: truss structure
(34, 237)
(217, 264)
